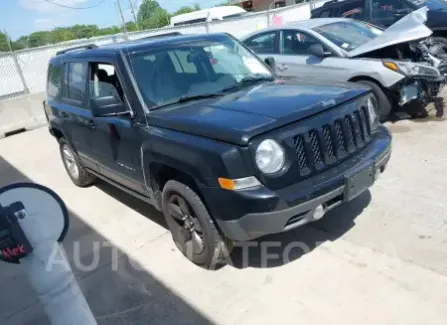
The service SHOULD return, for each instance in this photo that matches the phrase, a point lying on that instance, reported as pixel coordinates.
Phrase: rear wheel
(384, 105)
(192, 228)
(75, 170)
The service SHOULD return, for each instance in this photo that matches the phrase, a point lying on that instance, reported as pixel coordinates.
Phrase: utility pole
(122, 17)
(133, 13)
(16, 62)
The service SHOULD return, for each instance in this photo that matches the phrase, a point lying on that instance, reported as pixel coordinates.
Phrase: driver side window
(294, 42)
(104, 82)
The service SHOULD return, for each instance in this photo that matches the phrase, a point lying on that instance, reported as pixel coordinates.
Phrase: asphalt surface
(380, 260)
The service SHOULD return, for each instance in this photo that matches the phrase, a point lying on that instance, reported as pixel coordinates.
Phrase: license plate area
(358, 181)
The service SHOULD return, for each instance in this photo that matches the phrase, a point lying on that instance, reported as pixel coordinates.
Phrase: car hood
(411, 27)
(239, 116)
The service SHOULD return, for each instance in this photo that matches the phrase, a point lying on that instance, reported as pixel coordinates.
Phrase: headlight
(270, 157)
(372, 111)
(411, 69)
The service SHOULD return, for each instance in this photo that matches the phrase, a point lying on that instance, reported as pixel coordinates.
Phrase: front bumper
(254, 213)
(421, 89)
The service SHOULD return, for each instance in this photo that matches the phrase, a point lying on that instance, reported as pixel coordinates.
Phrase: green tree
(3, 43)
(22, 42)
(147, 10)
(40, 39)
(110, 30)
(62, 35)
(131, 26)
(225, 3)
(151, 15)
(159, 18)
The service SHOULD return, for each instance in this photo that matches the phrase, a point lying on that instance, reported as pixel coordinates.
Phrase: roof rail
(82, 47)
(162, 35)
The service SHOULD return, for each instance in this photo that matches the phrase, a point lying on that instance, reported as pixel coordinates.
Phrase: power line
(64, 6)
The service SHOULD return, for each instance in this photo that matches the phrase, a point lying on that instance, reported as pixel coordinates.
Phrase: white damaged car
(395, 63)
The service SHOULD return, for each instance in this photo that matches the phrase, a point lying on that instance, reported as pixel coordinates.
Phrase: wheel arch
(366, 78)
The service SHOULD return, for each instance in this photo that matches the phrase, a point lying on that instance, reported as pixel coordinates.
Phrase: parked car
(385, 13)
(228, 152)
(393, 62)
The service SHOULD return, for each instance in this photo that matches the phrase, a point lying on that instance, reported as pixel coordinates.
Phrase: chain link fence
(25, 71)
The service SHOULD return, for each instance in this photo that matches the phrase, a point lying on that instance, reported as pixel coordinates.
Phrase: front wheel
(383, 103)
(192, 228)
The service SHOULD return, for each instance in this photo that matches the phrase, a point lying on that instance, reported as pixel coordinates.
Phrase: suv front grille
(331, 143)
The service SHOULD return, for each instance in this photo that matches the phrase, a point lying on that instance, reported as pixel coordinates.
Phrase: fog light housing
(318, 212)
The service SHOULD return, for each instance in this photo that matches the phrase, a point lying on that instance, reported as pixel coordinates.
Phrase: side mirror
(318, 50)
(270, 61)
(108, 106)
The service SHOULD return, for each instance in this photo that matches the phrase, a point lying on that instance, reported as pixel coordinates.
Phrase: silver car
(394, 63)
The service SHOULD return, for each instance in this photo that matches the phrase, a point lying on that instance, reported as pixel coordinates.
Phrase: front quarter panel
(201, 158)
(373, 69)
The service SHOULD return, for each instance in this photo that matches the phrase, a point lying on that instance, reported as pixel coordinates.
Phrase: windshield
(431, 4)
(202, 67)
(348, 34)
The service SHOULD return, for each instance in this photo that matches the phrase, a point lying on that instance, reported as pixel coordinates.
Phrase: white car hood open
(409, 28)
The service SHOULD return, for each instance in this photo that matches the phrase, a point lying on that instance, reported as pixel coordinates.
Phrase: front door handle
(282, 67)
(64, 115)
(92, 124)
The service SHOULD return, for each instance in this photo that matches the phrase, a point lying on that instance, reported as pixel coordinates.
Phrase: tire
(384, 105)
(82, 178)
(215, 249)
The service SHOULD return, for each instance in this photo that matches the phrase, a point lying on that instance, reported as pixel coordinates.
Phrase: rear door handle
(64, 115)
(92, 124)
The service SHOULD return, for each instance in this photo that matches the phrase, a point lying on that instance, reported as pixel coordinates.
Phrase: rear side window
(55, 73)
(263, 44)
(75, 81)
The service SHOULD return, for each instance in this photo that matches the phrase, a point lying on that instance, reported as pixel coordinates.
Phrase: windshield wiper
(185, 99)
(247, 81)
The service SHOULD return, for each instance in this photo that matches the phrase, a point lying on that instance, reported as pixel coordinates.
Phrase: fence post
(16, 62)
(207, 23)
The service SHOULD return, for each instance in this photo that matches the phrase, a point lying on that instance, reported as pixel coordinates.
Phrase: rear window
(190, 22)
(234, 15)
(75, 82)
(55, 73)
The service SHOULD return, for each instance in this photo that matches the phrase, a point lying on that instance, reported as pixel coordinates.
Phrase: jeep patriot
(202, 129)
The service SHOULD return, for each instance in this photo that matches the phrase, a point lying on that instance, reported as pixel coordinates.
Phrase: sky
(22, 17)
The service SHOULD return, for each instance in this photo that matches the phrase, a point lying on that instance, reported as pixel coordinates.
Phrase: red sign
(13, 252)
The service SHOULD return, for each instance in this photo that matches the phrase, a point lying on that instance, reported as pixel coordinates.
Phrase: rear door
(74, 112)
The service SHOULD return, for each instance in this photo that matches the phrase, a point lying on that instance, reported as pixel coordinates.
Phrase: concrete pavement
(380, 260)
